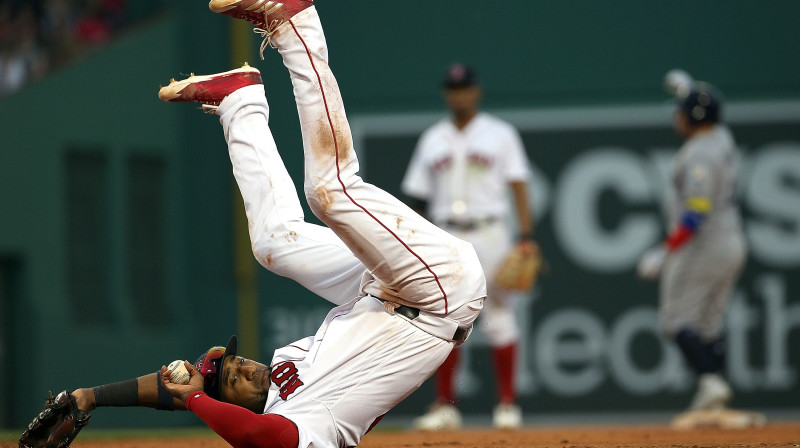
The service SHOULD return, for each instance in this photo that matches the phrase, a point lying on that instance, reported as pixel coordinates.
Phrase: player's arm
(517, 170)
(65, 414)
(144, 391)
(524, 216)
(696, 210)
(696, 206)
(242, 427)
(239, 427)
(694, 213)
(524, 219)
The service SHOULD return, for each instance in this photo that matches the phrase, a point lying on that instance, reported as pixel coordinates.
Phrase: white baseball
(179, 373)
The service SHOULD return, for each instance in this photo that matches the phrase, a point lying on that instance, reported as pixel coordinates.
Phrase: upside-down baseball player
(462, 173)
(407, 292)
(705, 250)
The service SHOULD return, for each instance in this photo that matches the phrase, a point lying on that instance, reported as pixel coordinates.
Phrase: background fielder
(460, 174)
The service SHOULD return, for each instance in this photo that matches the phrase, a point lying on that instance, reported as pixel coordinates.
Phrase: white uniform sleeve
(417, 180)
(516, 167)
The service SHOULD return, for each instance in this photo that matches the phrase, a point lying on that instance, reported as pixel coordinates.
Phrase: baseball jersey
(331, 391)
(464, 174)
(699, 278)
(704, 171)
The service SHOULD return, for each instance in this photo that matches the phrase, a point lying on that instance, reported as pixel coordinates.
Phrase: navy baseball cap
(210, 363)
(460, 75)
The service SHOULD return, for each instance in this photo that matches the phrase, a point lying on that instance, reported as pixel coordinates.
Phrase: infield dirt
(774, 435)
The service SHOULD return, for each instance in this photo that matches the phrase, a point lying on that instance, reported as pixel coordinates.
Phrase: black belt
(407, 311)
(460, 335)
(471, 224)
(411, 313)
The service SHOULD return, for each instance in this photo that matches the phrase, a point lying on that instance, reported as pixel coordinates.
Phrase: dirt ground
(773, 435)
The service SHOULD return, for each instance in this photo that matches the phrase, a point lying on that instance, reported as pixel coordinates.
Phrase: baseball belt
(412, 313)
(469, 225)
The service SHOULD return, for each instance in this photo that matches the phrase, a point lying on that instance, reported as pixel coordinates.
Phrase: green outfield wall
(117, 217)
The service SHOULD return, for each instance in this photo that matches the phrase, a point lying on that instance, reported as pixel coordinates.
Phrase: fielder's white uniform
(375, 254)
(464, 176)
(699, 277)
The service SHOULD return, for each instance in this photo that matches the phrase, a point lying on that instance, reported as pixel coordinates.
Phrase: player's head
(234, 379)
(700, 108)
(210, 363)
(462, 91)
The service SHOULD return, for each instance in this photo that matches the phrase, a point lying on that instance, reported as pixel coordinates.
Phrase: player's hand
(652, 262)
(84, 398)
(528, 247)
(182, 391)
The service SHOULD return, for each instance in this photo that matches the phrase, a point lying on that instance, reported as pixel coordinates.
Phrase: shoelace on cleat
(267, 35)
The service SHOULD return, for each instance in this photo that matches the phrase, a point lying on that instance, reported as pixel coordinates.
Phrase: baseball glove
(57, 425)
(519, 270)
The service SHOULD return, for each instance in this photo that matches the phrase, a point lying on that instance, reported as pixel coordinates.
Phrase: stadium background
(121, 239)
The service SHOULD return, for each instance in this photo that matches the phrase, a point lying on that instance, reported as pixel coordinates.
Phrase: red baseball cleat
(265, 15)
(209, 90)
(261, 13)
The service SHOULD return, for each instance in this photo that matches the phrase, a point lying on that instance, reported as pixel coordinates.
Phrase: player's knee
(668, 331)
(266, 246)
(500, 326)
(320, 198)
(670, 327)
(666, 323)
(502, 337)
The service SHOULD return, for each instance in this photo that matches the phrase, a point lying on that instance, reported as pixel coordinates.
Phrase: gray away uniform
(698, 277)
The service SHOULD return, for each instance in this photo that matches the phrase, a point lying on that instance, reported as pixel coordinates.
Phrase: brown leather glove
(57, 425)
(519, 270)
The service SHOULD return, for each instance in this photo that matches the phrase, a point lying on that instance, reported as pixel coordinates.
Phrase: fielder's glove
(57, 425)
(652, 262)
(519, 270)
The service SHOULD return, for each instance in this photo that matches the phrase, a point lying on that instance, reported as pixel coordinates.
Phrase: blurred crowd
(38, 35)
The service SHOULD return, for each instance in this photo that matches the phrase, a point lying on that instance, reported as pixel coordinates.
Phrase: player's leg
(724, 257)
(498, 320)
(411, 257)
(679, 303)
(499, 323)
(282, 242)
(443, 413)
(694, 291)
(728, 252)
(682, 292)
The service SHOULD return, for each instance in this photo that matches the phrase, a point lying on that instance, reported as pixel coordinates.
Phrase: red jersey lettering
(286, 378)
